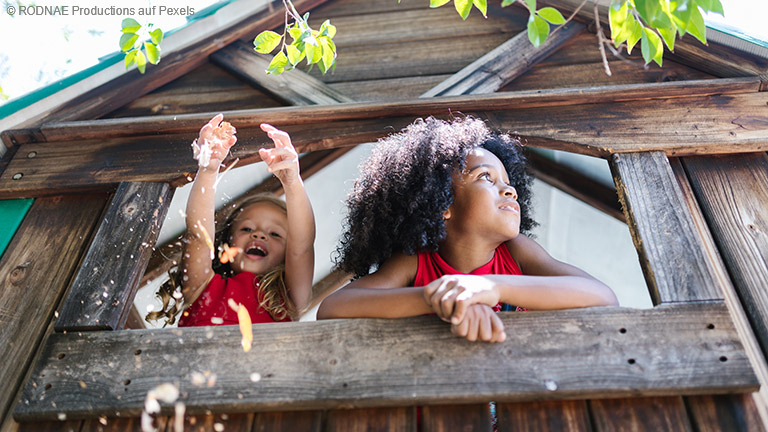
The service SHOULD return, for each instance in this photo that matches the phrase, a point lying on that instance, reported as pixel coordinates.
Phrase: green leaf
(294, 55)
(328, 29)
(130, 58)
(130, 25)
(266, 42)
(668, 35)
(653, 13)
(329, 55)
(482, 6)
(153, 52)
(127, 40)
(651, 47)
(463, 7)
(531, 5)
(634, 36)
(3, 96)
(309, 51)
(437, 3)
(506, 3)
(277, 65)
(552, 15)
(141, 61)
(157, 36)
(618, 15)
(711, 6)
(538, 30)
(681, 14)
(696, 26)
(295, 33)
(318, 54)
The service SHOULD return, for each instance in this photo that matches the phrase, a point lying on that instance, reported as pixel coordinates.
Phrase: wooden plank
(210, 422)
(575, 184)
(363, 7)
(396, 419)
(125, 424)
(672, 255)
(503, 64)
(598, 352)
(293, 87)
(327, 285)
(135, 320)
(102, 292)
(35, 271)
(640, 414)
(525, 100)
(279, 421)
(545, 416)
(52, 426)
(391, 89)
(725, 413)
(455, 417)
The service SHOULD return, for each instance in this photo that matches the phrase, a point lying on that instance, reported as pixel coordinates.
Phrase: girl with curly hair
(252, 260)
(439, 213)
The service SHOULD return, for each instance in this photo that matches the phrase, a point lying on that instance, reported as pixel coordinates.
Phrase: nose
(509, 191)
(259, 234)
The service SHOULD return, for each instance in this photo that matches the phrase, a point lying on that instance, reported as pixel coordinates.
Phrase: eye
(246, 229)
(486, 176)
(275, 235)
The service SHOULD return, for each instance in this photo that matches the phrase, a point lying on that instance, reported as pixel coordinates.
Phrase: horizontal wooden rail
(589, 353)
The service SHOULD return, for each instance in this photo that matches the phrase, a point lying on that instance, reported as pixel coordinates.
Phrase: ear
(447, 214)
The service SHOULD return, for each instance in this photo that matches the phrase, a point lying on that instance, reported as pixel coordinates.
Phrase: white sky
(38, 50)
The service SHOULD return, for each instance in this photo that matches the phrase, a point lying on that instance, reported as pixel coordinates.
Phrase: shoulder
(398, 271)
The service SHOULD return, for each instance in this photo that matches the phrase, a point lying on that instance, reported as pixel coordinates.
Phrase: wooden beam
(102, 293)
(327, 285)
(676, 263)
(35, 270)
(576, 184)
(724, 413)
(587, 353)
(641, 414)
(503, 64)
(571, 416)
(400, 419)
(293, 87)
(190, 123)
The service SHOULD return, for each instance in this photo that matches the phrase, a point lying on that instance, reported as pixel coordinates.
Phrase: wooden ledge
(589, 353)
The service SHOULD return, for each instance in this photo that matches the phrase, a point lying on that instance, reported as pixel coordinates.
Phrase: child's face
(260, 231)
(484, 203)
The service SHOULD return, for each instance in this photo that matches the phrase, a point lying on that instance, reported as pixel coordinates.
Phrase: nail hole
(138, 351)
(711, 326)
(622, 330)
(723, 359)
(126, 382)
(31, 154)
(48, 386)
(61, 356)
(344, 385)
(631, 361)
(18, 176)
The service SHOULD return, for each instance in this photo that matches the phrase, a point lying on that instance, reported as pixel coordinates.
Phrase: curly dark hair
(406, 184)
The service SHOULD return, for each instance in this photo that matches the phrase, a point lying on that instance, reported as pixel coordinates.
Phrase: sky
(36, 50)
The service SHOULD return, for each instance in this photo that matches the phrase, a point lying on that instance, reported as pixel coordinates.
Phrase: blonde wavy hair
(271, 290)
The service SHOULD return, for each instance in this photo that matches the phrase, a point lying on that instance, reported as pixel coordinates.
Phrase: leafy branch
(137, 52)
(316, 46)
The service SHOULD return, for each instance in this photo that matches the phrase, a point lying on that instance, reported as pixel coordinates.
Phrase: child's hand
(451, 295)
(282, 161)
(480, 322)
(213, 143)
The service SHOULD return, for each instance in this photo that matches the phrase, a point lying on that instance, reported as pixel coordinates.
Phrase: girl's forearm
(202, 202)
(301, 219)
(374, 303)
(553, 292)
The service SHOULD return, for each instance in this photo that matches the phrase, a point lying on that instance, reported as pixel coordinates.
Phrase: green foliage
(316, 46)
(3, 96)
(136, 52)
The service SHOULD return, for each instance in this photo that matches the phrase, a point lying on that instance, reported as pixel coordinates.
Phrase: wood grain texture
(724, 413)
(279, 421)
(397, 419)
(503, 64)
(440, 418)
(599, 352)
(640, 414)
(211, 422)
(102, 292)
(124, 424)
(546, 416)
(34, 273)
(672, 255)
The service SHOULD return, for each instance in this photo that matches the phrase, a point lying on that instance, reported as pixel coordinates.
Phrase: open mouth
(256, 251)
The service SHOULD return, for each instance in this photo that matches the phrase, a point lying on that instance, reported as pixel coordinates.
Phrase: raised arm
(283, 162)
(383, 294)
(210, 149)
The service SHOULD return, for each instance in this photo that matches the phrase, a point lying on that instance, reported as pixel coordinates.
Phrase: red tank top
(432, 266)
(212, 307)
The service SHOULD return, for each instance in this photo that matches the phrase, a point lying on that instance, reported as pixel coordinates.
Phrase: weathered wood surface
(294, 87)
(724, 413)
(389, 89)
(34, 273)
(601, 352)
(278, 421)
(672, 255)
(733, 193)
(102, 292)
(640, 414)
(397, 419)
(554, 416)
(207, 88)
(456, 417)
(503, 64)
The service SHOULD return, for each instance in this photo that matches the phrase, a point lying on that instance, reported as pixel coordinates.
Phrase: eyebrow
(487, 165)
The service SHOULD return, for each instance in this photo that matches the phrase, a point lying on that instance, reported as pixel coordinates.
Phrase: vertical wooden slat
(397, 419)
(123, 424)
(725, 413)
(640, 414)
(468, 418)
(34, 272)
(211, 422)
(552, 416)
(51, 426)
(671, 252)
(102, 292)
(278, 421)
